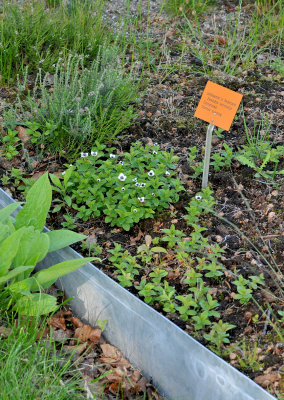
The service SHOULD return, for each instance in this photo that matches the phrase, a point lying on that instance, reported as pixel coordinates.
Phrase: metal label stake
(207, 155)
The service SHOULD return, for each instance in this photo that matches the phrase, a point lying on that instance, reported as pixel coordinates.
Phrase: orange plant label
(218, 105)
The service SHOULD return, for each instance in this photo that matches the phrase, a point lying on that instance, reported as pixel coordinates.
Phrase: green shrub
(84, 105)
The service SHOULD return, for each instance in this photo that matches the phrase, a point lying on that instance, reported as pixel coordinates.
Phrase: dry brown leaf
(83, 333)
(110, 351)
(135, 239)
(268, 379)
(76, 322)
(95, 335)
(57, 322)
(22, 134)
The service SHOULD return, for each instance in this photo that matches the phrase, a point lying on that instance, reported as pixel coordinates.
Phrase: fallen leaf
(57, 322)
(22, 134)
(110, 351)
(76, 322)
(268, 379)
(83, 333)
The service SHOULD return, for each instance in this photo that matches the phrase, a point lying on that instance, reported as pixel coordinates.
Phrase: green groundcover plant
(23, 245)
(125, 188)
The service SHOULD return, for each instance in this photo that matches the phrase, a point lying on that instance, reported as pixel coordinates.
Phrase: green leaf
(37, 205)
(8, 250)
(159, 250)
(15, 272)
(5, 212)
(36, 304)
(62, 238)
(58, 270)
(55, 180)
(33, 247)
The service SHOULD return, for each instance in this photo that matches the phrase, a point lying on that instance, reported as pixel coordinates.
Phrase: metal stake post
(207, 155)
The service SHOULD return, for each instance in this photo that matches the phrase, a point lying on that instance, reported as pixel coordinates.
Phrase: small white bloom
(92, 93)
(154, 152)
(198, 197)
(112, 155)
(121, 177)
(153, 194)
(137, 184)
(142, 184)
(167, 173)
(83, 155)
(98, 180)
(141, 199)
(94, 153)
(63, 173)
(134, 180)
(121, 162)
(151, 173)
(135, 211)
(123, 189)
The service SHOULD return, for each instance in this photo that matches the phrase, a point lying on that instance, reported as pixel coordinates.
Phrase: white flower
(134, 180)
(142, 184)
(198, 197)
(153, 194)
(94, 153)
(120, 162)
(135, 211)
(112, 155)
(167, 173)
(154, 152)
(137, 184)
(63, 173)
(123, 189)
(151, 173)
(141, 199)
(92, 93)
(98, 180)
(121, 177)
(83, 155)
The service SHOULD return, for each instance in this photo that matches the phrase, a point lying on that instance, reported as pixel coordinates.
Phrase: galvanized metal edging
(179, 366)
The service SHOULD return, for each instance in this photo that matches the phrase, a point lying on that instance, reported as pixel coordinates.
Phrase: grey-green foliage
(23, 245)
(83, 104)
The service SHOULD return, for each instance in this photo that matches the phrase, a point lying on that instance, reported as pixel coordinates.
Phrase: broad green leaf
(37, 205)
(5, 212)
(62, 238)
(14, 272)
(33, 247)
(8, 250)
(36, 304)
(159, 250)
(58, 270)
(23, 287)
(55, 180)
(67, 175)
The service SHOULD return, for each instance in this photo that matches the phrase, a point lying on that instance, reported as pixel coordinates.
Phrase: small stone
(233, 356)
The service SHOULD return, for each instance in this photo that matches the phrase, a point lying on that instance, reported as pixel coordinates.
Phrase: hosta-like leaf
(36, 304)
(37, 205)
(58, 270)
(15, 272)
(62, 238)
(8, 250)
(33, 247)
(5, 212)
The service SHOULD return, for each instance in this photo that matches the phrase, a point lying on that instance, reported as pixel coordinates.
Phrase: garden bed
(233, 270)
